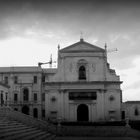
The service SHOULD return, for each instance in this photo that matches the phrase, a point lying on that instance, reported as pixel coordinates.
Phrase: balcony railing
(9, 103)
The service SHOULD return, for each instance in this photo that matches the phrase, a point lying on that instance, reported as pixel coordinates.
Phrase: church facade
(84, 88)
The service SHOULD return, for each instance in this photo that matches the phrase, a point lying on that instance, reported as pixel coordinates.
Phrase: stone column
(66, 104)
(102, 103)
(61, 104)
(47, 104)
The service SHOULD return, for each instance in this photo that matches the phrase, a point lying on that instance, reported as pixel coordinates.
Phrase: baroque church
(83, 87)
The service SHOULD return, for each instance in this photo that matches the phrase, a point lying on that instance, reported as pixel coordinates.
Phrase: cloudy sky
(31, 30)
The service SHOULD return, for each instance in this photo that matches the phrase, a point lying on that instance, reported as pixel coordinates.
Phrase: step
(21, 135)
(4, 126)
(33, 136)
(42, 137)
(11, 126)
(9, 122)
(3, 119)
(14, 129)
(2, 116)
(19, 132)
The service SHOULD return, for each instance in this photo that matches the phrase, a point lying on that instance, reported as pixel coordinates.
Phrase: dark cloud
(101, 19)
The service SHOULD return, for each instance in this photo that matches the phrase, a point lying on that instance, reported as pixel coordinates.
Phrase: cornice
(83, 82)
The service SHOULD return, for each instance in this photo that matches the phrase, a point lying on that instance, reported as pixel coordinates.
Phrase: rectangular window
(43, 78)
(43, 113)
(1, 97)
(15, 97)
(6, 80)
(15, 79)
(6, 96)
(43, 96)
(35, 96)
(35, 79)
(123, 115)
(136, 112)
(82, 95)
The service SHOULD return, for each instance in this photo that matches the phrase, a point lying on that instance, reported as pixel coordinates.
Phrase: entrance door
(82, 113)
(25, 109)
(35, 112)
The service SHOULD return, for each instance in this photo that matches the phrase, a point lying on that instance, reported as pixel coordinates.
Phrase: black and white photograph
(69, 70)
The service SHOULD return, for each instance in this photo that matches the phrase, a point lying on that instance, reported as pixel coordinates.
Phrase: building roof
(132, 102)
(25, 69)
(82, 46)
(20, 69)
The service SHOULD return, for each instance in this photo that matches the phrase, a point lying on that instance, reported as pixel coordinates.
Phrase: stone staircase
(15, 125)
(12, 129)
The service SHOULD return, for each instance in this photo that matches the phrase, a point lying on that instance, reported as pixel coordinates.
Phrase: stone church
(84, 88)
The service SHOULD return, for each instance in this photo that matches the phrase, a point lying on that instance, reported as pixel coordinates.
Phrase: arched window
(25, 94)
(82, 73)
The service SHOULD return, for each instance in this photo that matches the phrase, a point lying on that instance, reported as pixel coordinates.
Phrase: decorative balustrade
(23, 102)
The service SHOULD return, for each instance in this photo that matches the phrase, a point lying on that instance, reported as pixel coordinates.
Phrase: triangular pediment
(82, 46)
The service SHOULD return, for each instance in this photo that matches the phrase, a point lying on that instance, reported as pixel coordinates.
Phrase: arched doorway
(82, 113)
(35, 112)
(25, 109)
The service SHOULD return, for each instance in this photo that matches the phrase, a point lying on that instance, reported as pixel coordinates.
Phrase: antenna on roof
(50, 62)
(109, 50)
(58, 47)
(81, 36)
(105, 49)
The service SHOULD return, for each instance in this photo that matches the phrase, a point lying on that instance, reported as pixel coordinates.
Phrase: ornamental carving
(111, 98)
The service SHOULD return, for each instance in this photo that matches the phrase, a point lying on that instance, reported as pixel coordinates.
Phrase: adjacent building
(131, 110)
(25, 88)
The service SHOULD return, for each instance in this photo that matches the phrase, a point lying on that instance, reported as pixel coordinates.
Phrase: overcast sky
(31, 30)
